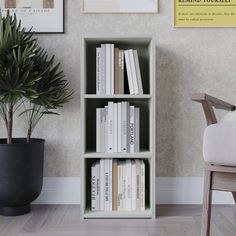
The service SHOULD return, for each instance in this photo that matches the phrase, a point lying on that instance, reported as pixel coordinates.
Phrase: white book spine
(110, 185)
(110, 130)
(98, 71)
(108, 69)
(138, 72)
(119, 129)
(103, 69)
(122, 73)
(124, 186)
(98, 129)
(131, 130)
(133, 186)
(97, 186)
(120, 183)
(133, 71)
(129, 73)
(128, 185)
(142, 189)
(93, 187)
(136, 129)
(128, 127)
(102, 184)
(102, 136)
(112, 76)
(124, 109)
(115, 127)
(106, 193)
(106, 128)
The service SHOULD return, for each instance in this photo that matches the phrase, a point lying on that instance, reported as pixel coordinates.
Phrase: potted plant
(31, 85)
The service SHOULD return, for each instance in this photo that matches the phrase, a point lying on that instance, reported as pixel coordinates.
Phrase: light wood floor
(64, 220)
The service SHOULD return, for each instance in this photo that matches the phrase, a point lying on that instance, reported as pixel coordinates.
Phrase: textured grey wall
(188, 60)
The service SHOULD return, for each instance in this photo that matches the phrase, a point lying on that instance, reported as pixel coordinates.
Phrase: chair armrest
(208, 102)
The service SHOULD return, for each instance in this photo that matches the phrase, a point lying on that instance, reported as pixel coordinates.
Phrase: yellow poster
(205, 13)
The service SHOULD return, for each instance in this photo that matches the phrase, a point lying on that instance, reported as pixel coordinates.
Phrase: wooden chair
(216, 177)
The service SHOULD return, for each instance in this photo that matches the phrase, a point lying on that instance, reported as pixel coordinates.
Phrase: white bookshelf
(90, 101)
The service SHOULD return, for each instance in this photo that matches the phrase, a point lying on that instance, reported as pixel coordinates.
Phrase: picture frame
(43, 16)
(120, 6)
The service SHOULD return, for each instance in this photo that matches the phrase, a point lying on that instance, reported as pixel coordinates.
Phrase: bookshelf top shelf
(118, 96)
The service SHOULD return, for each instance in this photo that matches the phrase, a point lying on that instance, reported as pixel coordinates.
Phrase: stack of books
(111, 73)
(117, 128)
(118, 185)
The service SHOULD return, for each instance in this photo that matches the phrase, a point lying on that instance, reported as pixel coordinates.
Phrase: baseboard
(177, 190)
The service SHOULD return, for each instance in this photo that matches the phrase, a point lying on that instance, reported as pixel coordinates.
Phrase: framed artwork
(120, 6)
(45, 16)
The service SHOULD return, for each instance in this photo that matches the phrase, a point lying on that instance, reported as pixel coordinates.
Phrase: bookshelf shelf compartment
(146, 103)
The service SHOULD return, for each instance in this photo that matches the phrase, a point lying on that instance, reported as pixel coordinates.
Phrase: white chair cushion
(219, 144)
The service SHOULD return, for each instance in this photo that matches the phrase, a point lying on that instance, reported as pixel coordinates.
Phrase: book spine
(97, 186)
(103, 69)
(120, 189)
(114, 186)
(129, 73)
(128, 185)
(102, 184)
(133, 71)
(138, 184)
(128, 127)
(110, 130)
(124, 109)
(119, 129)
(110, 185)
(133, 186)
(136, 129)
(108, 69)
(115, 127)
(138, 72)
(124, 186)
(106, 128)
(98, 71)
(102, 136)
(121, 71)
(106, 192)
(93, 187)
(142, 190)
(117, 71)
(131, 130)
(98, 129)
(112, 76)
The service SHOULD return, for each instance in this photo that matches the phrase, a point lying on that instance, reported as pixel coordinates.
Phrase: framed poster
(205, 13)
(120, 6)
(45, 16)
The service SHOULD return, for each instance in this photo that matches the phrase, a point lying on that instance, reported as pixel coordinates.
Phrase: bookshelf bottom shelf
(118, 214)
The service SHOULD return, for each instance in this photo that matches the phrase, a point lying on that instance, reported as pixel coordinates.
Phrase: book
(112, 76)
(136, 129)
(117, 71)
(106, 181)
(110, 127)
(131, 130)
(124, 187)
(120, 186)
(133, 71)
(98, 129)
(110, 184)
(115, 127)
(108, 69)
(119, 128)
(102, 130)
(98, 71)
(133, 186)
(103, 69)
(115, 185)
(129, 73)
(128, 169)
(138, 177)
(121, 72)
(102, 184)
(124, 124)
(93, 187)
(97, 186)
(106, 129)
(138, 72)
(142, 186)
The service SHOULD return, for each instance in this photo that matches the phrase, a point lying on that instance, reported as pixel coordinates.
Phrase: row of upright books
(113, 67)
(118, 128)
(118, 185)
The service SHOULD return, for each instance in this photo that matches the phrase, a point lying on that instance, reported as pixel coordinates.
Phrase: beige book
(10, 3)
(114, 185)
(138, 179)
(117, 77)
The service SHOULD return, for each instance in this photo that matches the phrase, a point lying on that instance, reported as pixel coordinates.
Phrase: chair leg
(234, 196)
(207, 198)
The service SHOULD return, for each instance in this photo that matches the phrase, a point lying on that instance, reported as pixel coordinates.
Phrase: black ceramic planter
(21, 175)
